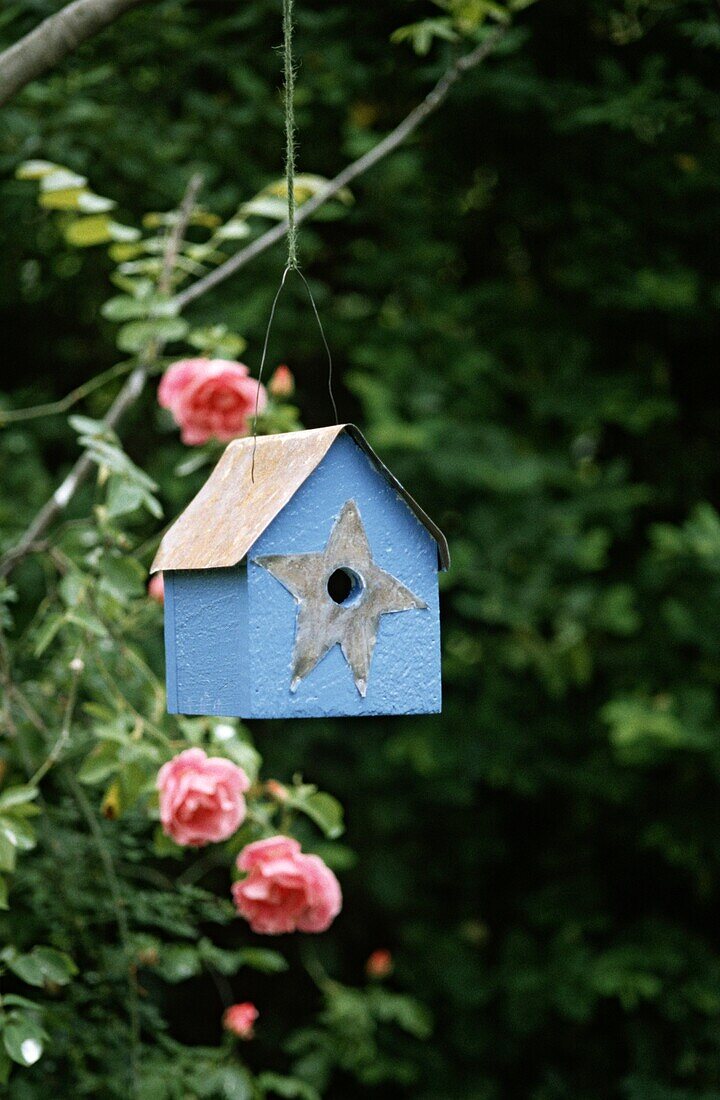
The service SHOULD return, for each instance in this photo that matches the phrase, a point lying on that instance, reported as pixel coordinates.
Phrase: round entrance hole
(344, 585)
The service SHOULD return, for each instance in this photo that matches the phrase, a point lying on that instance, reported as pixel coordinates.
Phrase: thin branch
(434, 99)
(55, 753)
(54, 39)
(12, 416)
(135, 383)
(125, 399)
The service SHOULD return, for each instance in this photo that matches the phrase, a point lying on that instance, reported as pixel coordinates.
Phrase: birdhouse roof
(231, 511)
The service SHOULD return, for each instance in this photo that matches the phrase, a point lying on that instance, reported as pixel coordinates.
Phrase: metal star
(352, 624)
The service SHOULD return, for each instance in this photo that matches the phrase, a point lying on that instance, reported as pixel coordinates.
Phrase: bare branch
(395, 138)
(135, 383)
(54, 39)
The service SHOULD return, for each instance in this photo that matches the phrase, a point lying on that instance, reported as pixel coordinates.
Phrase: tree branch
(135, 383)
(395, 138)
(54, 39)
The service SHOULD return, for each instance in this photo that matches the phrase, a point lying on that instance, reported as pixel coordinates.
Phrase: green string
(292, 258)
(289, 89)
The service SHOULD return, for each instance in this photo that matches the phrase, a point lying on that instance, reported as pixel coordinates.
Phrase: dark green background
(523, 310)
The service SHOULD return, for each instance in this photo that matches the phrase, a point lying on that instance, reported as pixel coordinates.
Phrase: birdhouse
(308, 590)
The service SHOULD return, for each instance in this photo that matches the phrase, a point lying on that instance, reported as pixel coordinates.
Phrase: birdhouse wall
(206, 625)
(405, 671)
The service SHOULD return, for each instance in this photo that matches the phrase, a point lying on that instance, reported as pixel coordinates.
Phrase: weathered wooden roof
(230, 512)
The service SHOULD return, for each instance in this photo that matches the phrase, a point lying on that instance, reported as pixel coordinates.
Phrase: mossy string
(289, 97)
(292, 250)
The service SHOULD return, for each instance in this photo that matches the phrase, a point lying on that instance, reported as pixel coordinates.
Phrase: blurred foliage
(523, 307)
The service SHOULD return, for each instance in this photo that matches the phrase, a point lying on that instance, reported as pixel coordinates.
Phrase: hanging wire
(262, 367)
(292, 249)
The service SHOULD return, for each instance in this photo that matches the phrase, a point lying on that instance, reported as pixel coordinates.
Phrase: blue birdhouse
(306, 587)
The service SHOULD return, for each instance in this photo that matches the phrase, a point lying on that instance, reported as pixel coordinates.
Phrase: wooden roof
(230, 512)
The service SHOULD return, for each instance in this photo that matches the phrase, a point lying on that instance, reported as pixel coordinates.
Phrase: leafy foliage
(522, 305)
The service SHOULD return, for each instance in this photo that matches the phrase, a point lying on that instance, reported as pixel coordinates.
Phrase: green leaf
(123, 307)
(136, 335)
(55, 965)
(124, 234)
(3, 893)
(178, 962)
(15, 796)
(100, 764)
(35, 169)
(14, 1000)
(26, 967)
(47, 632)
(123, 497)
(239, 751)
(7, 853)
(90, 203)
(235, 230)
(86, 232)
(124, 577)
(287, 1086)
(61, 179)
(422, 35)
(20, 834)
(40, 965)
(5, 1066)
(24, 1039)
(266, 206)
(264, 960)
(217, 342)
(87, 622)
(322, 808)
(72, 588)
(228, 962)
(62, 200)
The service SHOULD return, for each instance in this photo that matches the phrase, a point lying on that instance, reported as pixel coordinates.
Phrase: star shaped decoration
(341, 594)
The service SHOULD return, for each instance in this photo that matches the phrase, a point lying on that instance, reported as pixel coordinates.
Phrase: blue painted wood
(405, 671)
(230, 632)
(170, 657)
(210, 644)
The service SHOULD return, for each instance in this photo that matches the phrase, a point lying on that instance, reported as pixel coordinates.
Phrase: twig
(53, 40)
(177, 232)
(63, 738)
(135, 383)
(125, 399)
(12, 416)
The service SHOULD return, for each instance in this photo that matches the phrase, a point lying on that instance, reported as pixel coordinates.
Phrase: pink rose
(211, 398)
(282, 383)
(156, 588)
(239, 1019)
(201, 797)
(285, 890)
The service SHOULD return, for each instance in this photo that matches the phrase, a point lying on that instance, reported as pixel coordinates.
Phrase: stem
(64, 736)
